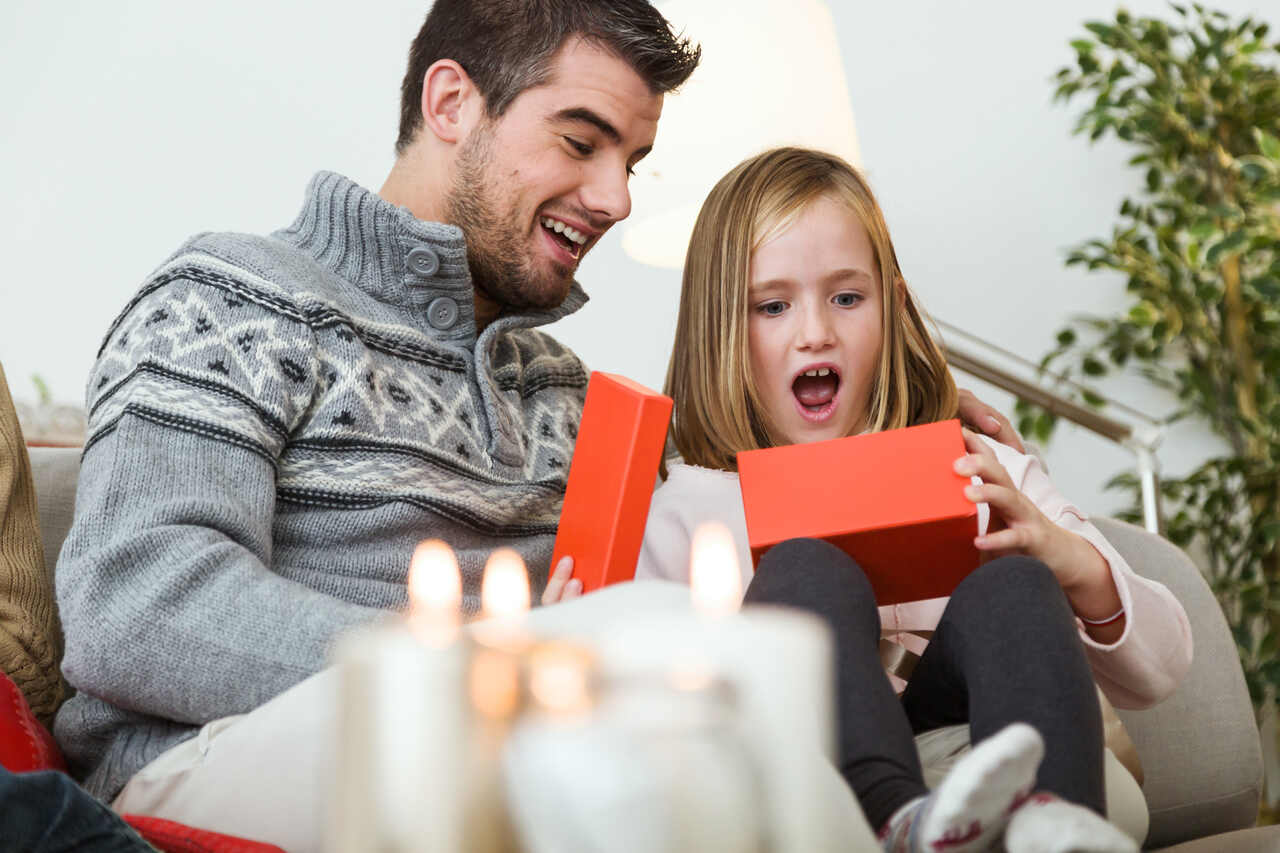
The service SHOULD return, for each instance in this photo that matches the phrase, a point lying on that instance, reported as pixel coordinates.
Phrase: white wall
(128, 126)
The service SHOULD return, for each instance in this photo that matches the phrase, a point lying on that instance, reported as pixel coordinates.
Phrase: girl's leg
(876, 750)
(1007, 650)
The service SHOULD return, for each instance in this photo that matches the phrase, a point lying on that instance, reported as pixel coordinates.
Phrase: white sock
(1046, 824)
(968, 811)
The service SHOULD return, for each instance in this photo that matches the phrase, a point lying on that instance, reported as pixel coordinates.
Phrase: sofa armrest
(1200, 748)
(55, 472)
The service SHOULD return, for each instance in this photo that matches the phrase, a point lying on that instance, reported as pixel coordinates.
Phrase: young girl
(796, 325)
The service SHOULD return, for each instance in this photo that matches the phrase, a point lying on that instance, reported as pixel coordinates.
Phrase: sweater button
(442, 313)
(424, 261)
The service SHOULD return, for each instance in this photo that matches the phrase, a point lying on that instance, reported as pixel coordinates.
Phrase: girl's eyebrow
(842, 274)
(829, 278)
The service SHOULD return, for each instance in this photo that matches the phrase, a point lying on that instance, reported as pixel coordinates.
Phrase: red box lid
(611, 478)
(891, 500)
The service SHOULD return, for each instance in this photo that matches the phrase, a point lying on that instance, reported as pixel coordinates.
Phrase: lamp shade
(771, 75)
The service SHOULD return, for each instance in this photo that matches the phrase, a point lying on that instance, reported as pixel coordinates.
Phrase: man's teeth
(560, 228)
(821, 371)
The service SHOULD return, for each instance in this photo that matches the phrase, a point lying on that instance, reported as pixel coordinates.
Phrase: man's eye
(580, 147)
(848, 300)
(772, 309)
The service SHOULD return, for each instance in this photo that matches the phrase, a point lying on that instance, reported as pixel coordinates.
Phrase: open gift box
(891, 500)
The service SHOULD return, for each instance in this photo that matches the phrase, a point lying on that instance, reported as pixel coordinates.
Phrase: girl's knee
(801, 572)
(1018, 579)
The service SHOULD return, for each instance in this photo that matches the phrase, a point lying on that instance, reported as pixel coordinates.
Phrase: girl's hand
(562, 586)
(1079, 569)
(1025, 529)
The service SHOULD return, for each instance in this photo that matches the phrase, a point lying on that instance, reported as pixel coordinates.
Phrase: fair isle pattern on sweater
(351, 412)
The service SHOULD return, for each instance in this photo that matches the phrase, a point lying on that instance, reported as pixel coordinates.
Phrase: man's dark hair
(506, 46)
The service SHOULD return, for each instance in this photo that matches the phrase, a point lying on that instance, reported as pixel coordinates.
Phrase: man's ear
(451, 104)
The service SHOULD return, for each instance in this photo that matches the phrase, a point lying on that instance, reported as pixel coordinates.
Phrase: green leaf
(1101, 30)
(1204, 229)
(1092, 367)
(1093, 399)
(1267, 144)
(1144, 314)
(1153, 179)
(1233, 242)
(1066, 337)
(1082, 45)
(1044, 424)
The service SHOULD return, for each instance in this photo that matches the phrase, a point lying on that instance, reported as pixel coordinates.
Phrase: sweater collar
(387, 252)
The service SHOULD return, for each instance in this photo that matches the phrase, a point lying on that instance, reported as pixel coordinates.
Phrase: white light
(435, 592)
(504, 592)
(771, 75)
(713, 570)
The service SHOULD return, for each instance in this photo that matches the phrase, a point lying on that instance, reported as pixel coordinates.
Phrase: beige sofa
(1200, 749)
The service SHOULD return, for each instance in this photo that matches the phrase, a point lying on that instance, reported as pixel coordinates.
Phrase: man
(276, 421)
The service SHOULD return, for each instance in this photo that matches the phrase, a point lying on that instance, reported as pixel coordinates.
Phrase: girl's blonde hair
(718, 410)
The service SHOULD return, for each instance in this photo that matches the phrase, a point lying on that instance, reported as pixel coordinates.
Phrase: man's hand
(562, 586)
(979, 416)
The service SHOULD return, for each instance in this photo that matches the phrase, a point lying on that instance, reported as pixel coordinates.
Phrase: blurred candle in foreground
(779, 664)
(403, 721)
(494, 687)
(504, 602)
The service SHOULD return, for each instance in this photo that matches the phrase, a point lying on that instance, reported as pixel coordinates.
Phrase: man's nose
(606, 194)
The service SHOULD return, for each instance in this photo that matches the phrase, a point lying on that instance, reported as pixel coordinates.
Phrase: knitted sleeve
(30, 644)
(165, 587)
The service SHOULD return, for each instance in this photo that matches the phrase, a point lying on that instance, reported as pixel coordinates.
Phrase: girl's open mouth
(815, 391)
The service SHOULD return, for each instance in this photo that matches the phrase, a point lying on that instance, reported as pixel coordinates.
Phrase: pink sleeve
(1154, 652)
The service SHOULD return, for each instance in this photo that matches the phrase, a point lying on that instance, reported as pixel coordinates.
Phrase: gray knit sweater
(275, 422)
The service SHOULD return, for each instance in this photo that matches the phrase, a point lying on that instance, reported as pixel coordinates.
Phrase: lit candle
(404, 722)
(779, 662)
(495, 690)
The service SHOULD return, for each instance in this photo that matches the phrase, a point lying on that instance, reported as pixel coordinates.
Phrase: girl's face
(815, 330)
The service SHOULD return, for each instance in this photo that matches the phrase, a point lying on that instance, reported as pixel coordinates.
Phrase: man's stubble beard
(497, 251)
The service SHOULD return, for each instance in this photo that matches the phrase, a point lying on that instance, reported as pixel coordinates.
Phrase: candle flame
(435, 592)
(713, 570)
(504, 593)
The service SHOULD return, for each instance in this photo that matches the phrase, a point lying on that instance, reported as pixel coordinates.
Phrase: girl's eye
(848, 300)
(581, 148)
(772, 309)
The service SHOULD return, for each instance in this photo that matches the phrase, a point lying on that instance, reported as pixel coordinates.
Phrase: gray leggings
(1006, 650)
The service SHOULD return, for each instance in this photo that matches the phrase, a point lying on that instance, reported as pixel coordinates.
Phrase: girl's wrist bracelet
(1098, 623)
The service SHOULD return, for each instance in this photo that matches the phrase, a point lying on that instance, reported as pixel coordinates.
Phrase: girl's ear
(451, 104)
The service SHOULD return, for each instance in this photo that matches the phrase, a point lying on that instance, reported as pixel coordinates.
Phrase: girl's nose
(816, 331)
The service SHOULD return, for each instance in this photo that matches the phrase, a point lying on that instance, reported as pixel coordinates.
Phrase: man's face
(535, 189)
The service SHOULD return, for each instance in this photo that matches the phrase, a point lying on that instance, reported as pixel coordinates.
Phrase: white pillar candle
(403, 722)
(495, 691)
(779, 661)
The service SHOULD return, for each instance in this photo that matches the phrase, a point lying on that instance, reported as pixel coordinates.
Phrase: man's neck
(417, 186)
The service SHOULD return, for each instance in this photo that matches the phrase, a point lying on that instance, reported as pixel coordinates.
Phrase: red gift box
(891, 500)
(611, 479)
